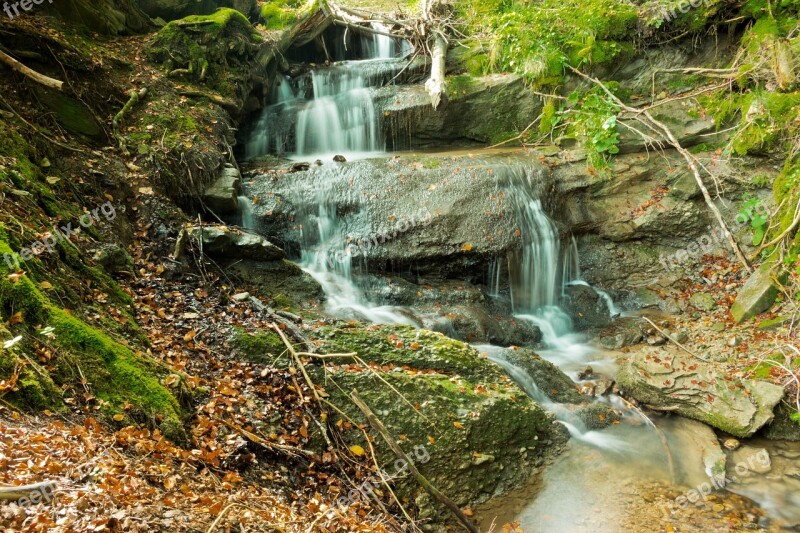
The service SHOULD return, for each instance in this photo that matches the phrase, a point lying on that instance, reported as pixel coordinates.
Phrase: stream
(328, 111)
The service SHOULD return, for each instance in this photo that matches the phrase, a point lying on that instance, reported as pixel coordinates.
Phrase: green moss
(537, 39)
(278, 15)
(259, 347)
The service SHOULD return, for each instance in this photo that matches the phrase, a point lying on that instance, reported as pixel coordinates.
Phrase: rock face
(668, 380)
(415, 211)
(757, 295)
(480, 109)
(232, 243)
(222, 197)
(489, 436)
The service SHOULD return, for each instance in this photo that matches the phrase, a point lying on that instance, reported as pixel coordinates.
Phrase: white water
(325, 257)
(246, 211)
(329, 111)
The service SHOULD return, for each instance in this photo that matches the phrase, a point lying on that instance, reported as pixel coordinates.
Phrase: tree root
(31, 74)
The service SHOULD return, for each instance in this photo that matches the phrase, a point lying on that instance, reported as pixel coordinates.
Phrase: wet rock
(299, 167)
(703, 300)
(339, 159)
(753, 459)
(731, 444)
(623, 332)
(598, 415)
(547, 377)
(222, 197)
(656, 340)
(704, 440)
(232, 243)
(677, 382)
(586, 373)
(585, 307)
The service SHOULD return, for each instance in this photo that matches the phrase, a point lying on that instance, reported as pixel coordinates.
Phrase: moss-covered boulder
(217, 50)
(175, 9)
(482, 434)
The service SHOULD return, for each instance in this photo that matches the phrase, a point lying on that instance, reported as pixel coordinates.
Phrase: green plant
(757, 217)
(594, 123)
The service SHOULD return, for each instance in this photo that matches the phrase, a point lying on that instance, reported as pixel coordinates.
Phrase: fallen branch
(378, 426)
(656, 125)
(24, 491)
(282, 449)
(679, 345)
(29, 73)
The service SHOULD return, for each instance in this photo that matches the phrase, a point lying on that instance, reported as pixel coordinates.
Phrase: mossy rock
(482, 434)
(218, 50)
(259, 347)
(71, 113)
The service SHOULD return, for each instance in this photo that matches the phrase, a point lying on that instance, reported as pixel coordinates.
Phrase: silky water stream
(594, 483)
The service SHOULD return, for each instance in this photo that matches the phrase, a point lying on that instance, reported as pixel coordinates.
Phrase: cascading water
(326, 256)
(329, 111)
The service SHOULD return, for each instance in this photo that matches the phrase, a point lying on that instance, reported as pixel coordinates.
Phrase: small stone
(586, 373)
(731, 444)
(45, 163)
(718, 327)
(703, 301)
(339, 159)
(681, 336)
(241, 297)
(734, 341)
(656, 340)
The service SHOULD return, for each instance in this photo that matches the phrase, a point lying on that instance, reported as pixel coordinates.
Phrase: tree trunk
(436, 85)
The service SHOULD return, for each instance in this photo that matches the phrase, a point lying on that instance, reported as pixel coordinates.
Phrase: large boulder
(409, 210)
(483, 436)
(756, 296)
(669, 380)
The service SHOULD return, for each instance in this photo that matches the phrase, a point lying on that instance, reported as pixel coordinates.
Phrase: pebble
(731, 444)
(241, 297)
(734, 341)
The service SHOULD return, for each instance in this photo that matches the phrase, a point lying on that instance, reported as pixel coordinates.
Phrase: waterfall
(326, 254)
(341, 117)
(330, 110)
(246, 212)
